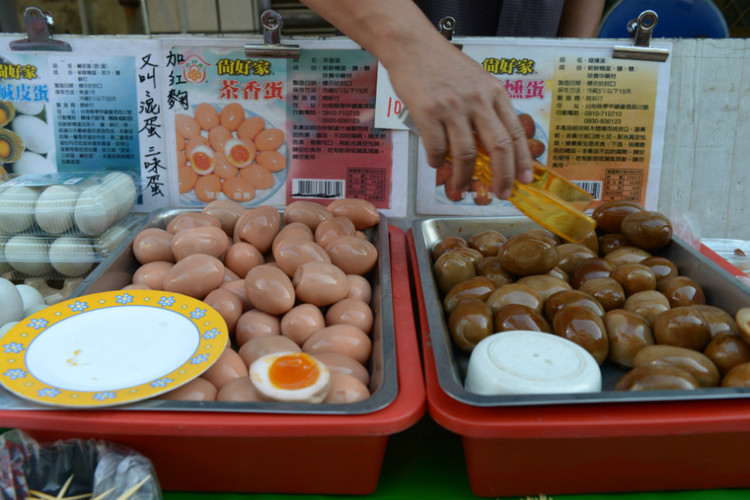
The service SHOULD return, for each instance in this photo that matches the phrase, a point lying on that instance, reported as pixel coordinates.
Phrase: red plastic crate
(592, 448)
(253, 452)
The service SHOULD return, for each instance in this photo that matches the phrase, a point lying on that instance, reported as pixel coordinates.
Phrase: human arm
(580, 18)
(448, 94)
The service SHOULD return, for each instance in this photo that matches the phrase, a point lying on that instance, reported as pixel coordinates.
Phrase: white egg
(71, 256)
(17, 209)
(54, 208)
(29, 107)
(34, 163)
(95, 210)
(4, 266)
(12, 302)
(35, 133)
(34, 309)
(110, 239)
(124, 190)
(30, 296)
(28, 254)
(6, 327)
(293, 377)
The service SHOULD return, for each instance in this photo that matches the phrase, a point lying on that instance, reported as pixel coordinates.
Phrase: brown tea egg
(445, 244)
(227, 304)
(231, 116)
(293, 377)
(269, 289)
(342, 339)
(361, 212)
(152, 244)
(209, 240)
(198, 389)
(545, 284)
(518, 317)
(290, 253)
(742, 318)
(240, 390)
(727, 350)
(718, 319)
(269, 139)
(186, 220)
(739, 376)
(522, 255)
(228, 367)
(693, 362)
(301, 321)
(226, 212)
(218, 136)
(452, 268)
(338, 363)
(307, 212)
(470, 322)
(558, 273)
(478, 287)
(682, 291)
(682, 326)
(346, 389)
(352, 255)
(152, 274)
(259, 177)
(648, 303)
(273, 161)
(258, 226)
(256, 323)
(609, 242)
(186, 126)
(656, 378)
(475, 256)
(195, 275)
(627, 254)
(608, 291)
(206, 115)
(585, 328)
(257, 347)
(544, 234)
(207, 187)
(515, 293)
(493, 269)
(570, 254)
(238, 189)
(241, 257)
(359, 288)
(648, 229)
(591, 241)
(662, 267)
(487, 242)
(350, 312)
(237, 287)
(250, 127)
(634, 277)
(320, 283)
(587, 269)
(627, 333)
(331, 228)
(609, 214)
(560, 299)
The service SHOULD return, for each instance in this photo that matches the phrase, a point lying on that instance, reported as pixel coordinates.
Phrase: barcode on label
(318, 188)
(594, 188)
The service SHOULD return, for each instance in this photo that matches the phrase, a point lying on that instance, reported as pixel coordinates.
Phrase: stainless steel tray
(117, 271)
(721, 289)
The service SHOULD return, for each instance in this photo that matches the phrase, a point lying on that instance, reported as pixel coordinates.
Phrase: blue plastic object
(677, 19)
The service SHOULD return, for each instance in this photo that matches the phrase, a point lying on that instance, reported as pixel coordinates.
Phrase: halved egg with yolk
(293, 377)
(202, 159)
(239, 153)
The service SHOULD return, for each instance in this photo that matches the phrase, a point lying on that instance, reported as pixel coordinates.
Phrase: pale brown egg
(271, 160)
(255, 323)
(194, 142)
(250, 127)
(226, 212)
(300, 322)
(152, 274)
(342, 339)
(186, 126)
(346, 389)
(257, 347)
(269, 289)
(361, 212)
(228, 367)
(269, 139)
(179, 142)
(187, 178)
(207, 187)
(258, 226)
(229, 275)
(290, 253)
(339, 363)
(231, 116)
(359, 288)
(352, 255)
(206, 115)
(241, 257)
(222, 167)
(198, 389)
(332, 228)
(237, 287)
(227, 304)
(195, 275)
(209, 240)
(350, 312)
(307, 212)
(260, 177)
(320, 283)
(240, 390)
(293, 230)
(152, 244)
(238, 189)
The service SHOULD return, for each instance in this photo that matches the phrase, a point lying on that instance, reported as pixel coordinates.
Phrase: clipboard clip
(39, 29)
(446, 26)
(272, 46)
(641, 29)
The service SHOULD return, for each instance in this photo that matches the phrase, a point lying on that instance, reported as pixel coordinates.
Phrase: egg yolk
(294, 371)
(5, 148)
(201, 162)
(240, 155)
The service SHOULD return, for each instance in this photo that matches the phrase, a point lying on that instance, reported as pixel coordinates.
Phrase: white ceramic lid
(529, 362)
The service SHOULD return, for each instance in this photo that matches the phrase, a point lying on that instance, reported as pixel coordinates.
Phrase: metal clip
(39, 29)
(272, 46)
(641, 29)
(446, 26)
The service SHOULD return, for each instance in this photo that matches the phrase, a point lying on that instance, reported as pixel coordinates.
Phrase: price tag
(388, 107)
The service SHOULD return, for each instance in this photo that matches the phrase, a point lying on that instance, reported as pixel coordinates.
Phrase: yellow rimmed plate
(110, 348)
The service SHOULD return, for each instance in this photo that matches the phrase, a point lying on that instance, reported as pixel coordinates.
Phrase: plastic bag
(104, 470)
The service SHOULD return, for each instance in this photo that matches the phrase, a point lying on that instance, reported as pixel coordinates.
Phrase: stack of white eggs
(18, 302)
